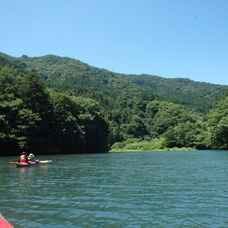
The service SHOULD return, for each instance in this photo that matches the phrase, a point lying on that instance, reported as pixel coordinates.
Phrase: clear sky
(168, 38)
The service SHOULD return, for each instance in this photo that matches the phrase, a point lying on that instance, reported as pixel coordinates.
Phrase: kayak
(46, 161)
(24, 164)
(4, 223)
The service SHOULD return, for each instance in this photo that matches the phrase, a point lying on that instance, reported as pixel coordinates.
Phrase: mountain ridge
(57, 70)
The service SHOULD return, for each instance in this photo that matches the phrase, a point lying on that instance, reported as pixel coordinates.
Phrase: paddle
(47, 161)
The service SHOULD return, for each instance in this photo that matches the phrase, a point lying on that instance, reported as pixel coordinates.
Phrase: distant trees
(198, 96)
(68, 135)
(34, 93)
(33, 119)
(94, 126)
(163, 115)
(218, 125)
(9, 80)
(17, 124)
(178, 125)
(186, 134)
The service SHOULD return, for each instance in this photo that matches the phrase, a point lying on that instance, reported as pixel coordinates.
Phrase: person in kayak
(23, 158)
(31, 158)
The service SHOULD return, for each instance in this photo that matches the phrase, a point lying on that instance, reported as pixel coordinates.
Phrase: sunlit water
(133, 189)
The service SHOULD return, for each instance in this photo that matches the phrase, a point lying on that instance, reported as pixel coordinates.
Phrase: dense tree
(186, 134)
(17, 124)
(68, 135)
(161, 115)
(32, 120)
(93, 124)
(34, 94)
(218, 125)
(9, 79)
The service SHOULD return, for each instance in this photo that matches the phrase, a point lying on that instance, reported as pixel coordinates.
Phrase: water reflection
(22, 170)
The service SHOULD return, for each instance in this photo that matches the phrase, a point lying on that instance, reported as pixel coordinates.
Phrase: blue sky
(168, 38)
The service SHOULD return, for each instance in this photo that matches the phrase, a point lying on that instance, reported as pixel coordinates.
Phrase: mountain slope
(77, 78)
(199, 95)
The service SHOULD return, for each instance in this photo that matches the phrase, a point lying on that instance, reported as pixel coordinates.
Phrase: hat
(24, 153)
(31, 155)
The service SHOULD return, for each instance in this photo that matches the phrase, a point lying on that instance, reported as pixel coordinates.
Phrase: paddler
(23, 158)
(31, 158)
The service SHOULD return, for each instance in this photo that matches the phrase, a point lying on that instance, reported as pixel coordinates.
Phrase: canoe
(4, 223)
(23, 164)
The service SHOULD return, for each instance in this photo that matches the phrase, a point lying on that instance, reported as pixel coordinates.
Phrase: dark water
(134, 189)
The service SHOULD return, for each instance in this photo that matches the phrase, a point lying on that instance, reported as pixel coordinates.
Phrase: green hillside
(77, 78)
(73, 76)
(142, 112)
(198, 95)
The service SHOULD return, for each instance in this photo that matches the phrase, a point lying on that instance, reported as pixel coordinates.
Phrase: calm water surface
(134, 189)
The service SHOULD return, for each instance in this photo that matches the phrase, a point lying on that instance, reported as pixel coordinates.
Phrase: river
(131, 189)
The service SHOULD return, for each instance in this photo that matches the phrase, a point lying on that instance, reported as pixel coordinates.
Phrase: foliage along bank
(46, 122)
(66, 118)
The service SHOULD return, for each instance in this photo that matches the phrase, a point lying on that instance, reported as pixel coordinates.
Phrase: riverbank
(155, 144)
(165, 149)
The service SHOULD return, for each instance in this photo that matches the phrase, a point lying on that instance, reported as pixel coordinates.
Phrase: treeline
(46, 122)
(199, 96)
(165, 125)
(66, 106)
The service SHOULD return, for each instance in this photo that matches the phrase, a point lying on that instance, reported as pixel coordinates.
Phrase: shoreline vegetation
(58, 105)
(165, 149)
(153, 145)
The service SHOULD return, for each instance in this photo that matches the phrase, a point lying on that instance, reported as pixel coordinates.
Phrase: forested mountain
(197, 95)
(75, 77)
(62, 105)
(72, 76)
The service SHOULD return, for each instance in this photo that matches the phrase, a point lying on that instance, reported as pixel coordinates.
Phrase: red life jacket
(23, 160)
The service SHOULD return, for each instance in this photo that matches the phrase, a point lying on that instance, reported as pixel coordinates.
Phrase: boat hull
(23, 164)
(4, 223)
